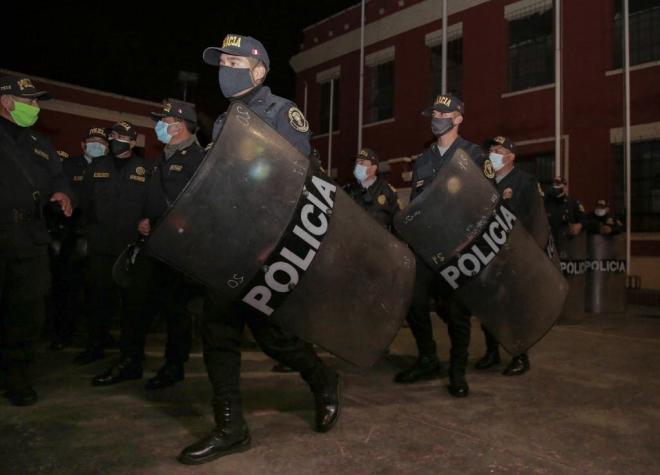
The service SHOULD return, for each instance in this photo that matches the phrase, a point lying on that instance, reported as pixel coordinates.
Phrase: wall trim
(528, 90)
(638, 133)
(434, 38)
(92, 112)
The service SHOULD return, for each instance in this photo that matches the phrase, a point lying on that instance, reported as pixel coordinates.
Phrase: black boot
(127, 369)
(490, 359)
(166, 376)
(230, 436)
(458, 386)
(425, 368)
(519, 365)
(326, 389)
(89, 355)
(19, 389)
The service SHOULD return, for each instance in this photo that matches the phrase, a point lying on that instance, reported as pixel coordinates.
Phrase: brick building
(501, 61)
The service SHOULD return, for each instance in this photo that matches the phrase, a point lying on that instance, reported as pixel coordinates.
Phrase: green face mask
(24, 115)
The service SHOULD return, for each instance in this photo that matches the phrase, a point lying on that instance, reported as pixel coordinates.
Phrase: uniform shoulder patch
(297, 120)
(489, 171)
(507, 194)
(140, 171)
(382, 200)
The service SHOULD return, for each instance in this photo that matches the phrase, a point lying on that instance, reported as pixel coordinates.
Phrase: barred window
(644, 32)
(541, 166)
(454, 68)
(325, 107)
(531, 52)
(645, 184)
(380, 92)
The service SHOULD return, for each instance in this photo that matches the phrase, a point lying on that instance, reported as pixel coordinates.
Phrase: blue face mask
(95, 149)
(360, 172)
(161, 131)
(234, 80)
(497, 159)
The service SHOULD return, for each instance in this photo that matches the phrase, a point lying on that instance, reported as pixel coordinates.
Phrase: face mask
(600, 212)
(557, 192)
(94, 149)
(118, 147)
(497, 159)
(24, 115)
(360, 172)
(234, 80)
(441, 126)
(161, 131)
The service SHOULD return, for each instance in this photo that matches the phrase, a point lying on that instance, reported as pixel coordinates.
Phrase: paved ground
(591, 404)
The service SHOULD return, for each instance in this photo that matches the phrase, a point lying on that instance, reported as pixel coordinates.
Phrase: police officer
(31, 176)
(601, 221)
(175, 127)
(69, 260)
(113, 200)
(447, 116)
(522, 194)
(373, 193)
(243, 65)
(566, 214)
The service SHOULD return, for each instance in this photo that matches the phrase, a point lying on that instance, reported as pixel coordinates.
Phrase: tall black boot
(326, 388)
(230, 435)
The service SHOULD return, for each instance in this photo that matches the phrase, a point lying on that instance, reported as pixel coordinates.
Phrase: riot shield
(461, 230)
(606, 274)
(259, 227)
(572, 251)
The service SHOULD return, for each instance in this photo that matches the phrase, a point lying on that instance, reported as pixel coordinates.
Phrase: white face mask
(600, 212)
(497, 159)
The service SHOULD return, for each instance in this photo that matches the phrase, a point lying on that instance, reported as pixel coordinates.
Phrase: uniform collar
(170, 150)
(248, 97)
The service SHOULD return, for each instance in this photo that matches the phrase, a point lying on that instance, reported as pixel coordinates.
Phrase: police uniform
(30, 173)
(281, 114)
(594, 223)
(171, 291)
(521, 193)
(113, 201)
(562, 211)
(379, 198)
(222, 327)
(68, 257)
(428, 283)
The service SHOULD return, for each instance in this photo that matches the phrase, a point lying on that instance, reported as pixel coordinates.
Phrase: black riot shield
(572, 251)
(260, 228)
(461, 230)
(606, 274)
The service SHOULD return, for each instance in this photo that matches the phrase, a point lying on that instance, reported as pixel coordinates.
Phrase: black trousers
(492, 345)
(427, 285)
(106, 297)
(222, 329)
(166, 293)
(68, 291)
(24, 283)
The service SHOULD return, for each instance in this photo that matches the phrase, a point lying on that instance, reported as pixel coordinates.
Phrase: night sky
(137, 48)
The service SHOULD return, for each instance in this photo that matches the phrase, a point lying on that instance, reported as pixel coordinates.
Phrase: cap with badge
(98, 132)
(237, 45)
(368, 154)
(125, 128)
(559, 181)
(601, 204)
(445, 103)
(177, 109)
(21, 87)
(503, 141)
